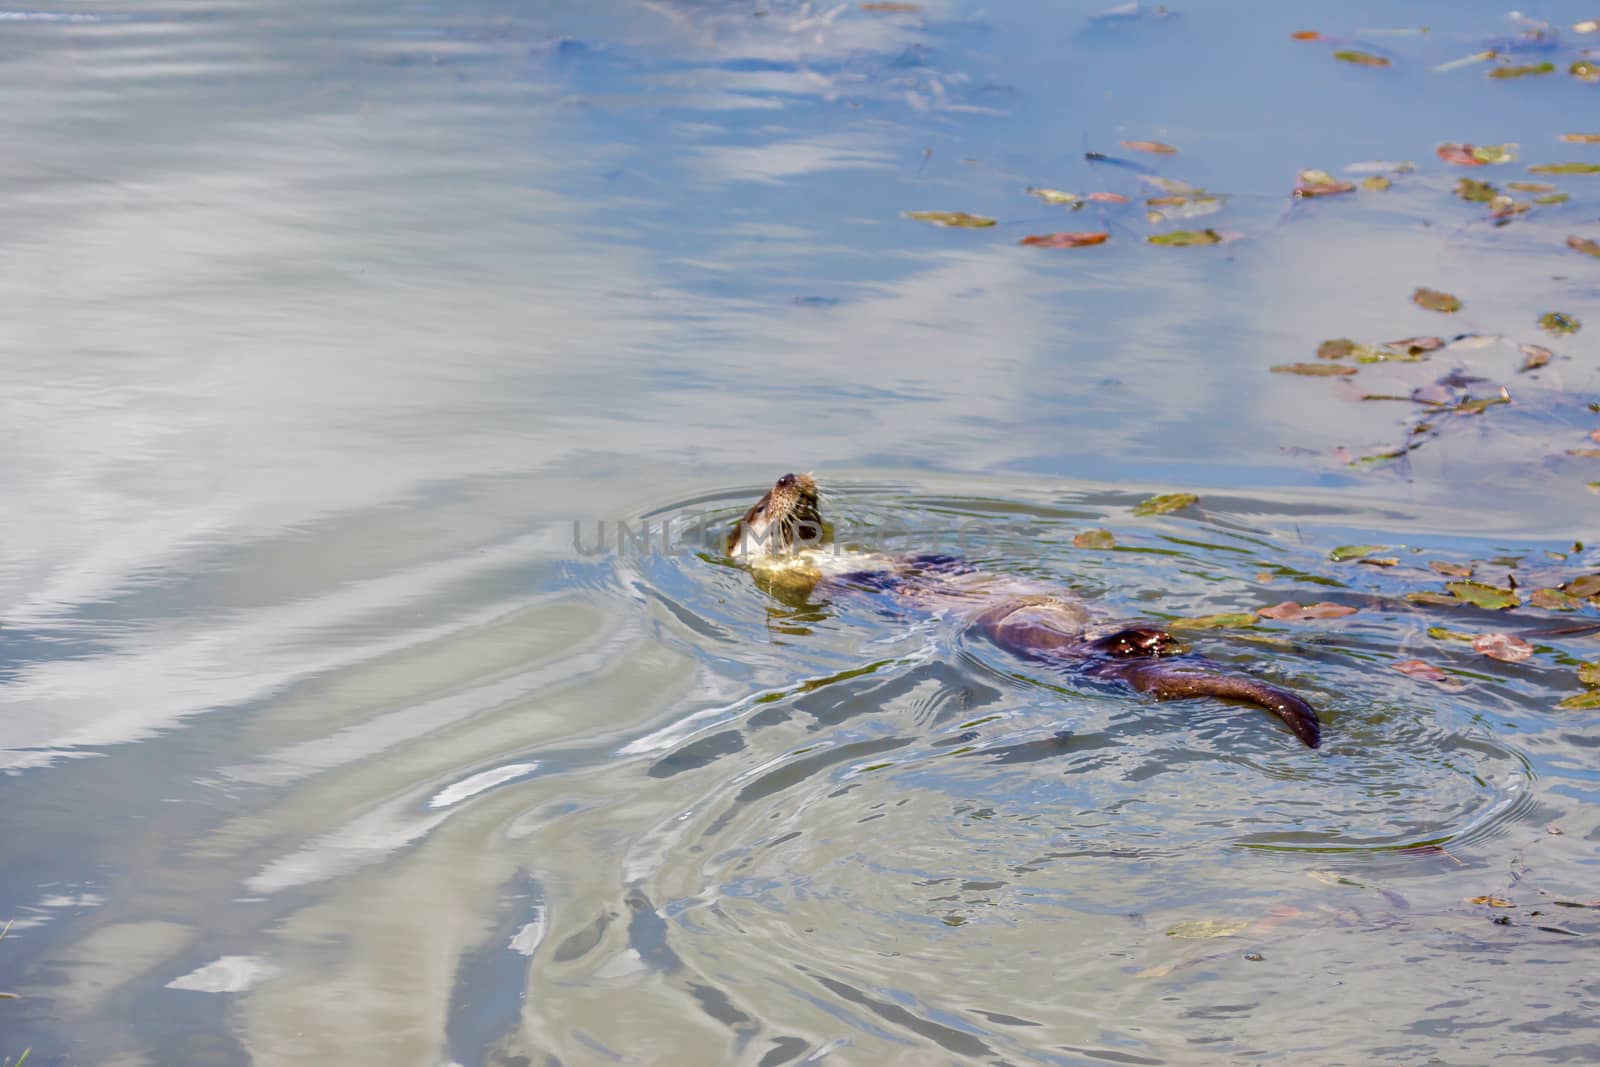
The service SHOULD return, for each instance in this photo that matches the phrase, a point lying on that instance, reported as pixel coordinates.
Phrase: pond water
(342, 723)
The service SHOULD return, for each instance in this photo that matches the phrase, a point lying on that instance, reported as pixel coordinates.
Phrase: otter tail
(1172, 681)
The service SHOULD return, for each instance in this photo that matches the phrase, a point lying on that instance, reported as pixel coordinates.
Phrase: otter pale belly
(780, 536)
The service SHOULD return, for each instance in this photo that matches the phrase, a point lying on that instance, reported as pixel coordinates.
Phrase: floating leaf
(1376, 183)
(1094, 539)
(1337, 348)
(1453, 570)
(1436, 600)
(1416, 345)
(1289, 610)
(1227, 620)
(1108, 198)
(1523, 71)
(1182, 207)
(1552, 198)
(1186, 238)
(1478, 407)
(1559, 323)
(1320, 183)
(1493, 902)
(1585, 71)
(1154, 147)
(1531, 187)
(1553, 600)
(1505, 207)
(1170, 186)
(1580, 138)
(1589, 674)
(1361, 59)
(1310, 35)
(1565, 168)
(1381, 166)
(1473, 190)
(1055, 196)
(1348, 552)
(1587, 453)
(1434, 300)
(1380, 561)
(958, 219)
(1588, 585)
(1466, 61)
(1582, 701)
(1439, 633)
(1470, 155)
(1508, 648)
(1204, 929)
(1489, 597)
(1315, 370)
(1064, 240)
(1427, 672)
(1584, 245)
(1166, 503)
(1534, 356)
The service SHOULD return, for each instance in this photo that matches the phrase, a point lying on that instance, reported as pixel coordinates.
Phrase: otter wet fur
(779, 537)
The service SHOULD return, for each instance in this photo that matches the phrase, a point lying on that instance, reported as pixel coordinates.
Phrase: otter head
(782, 522)
(1137, 641)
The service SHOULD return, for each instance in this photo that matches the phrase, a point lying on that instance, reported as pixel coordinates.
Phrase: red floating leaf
(1306, 35)
(1427, 672)
(1108, 198)
(1064, 240)
(1506, 647)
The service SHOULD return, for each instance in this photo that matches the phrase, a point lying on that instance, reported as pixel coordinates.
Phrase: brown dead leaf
(1454, 570)
(1534, 356)
(1493, 902)
(1155, 147)
(1108, 198)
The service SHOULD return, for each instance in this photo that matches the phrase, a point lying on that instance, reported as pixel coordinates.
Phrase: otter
(781, 535)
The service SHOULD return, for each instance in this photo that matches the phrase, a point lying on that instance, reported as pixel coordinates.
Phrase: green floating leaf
(1552, 198)
(1478, 407)
(1185, 238)
(1559, 323)
(1588, 585)
(1434, 300)
(1523, 71)
(1349, 552)
(1337, 348)
(1056, 196)
(1565, 168)
(1584, 245)
(1360, 59)
(1439, 633)
(1165, 503)
(1376, 183)
(1471, 189)
(1582, 701)
(1314, 370)
(1554, 600)
(1435, 600)
(1585, 71)
(1589, 674)
(1094, 539)
(1480, 595)
(1225, 621)
(958, 219)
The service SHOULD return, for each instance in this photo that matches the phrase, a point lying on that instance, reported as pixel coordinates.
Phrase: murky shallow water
(334, 334)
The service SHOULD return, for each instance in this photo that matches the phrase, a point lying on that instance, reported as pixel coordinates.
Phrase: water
(330, 737)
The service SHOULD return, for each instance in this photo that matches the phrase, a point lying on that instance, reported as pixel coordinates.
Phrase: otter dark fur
(1016, 616)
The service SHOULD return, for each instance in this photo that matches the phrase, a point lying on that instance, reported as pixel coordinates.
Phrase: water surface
(334, 332)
